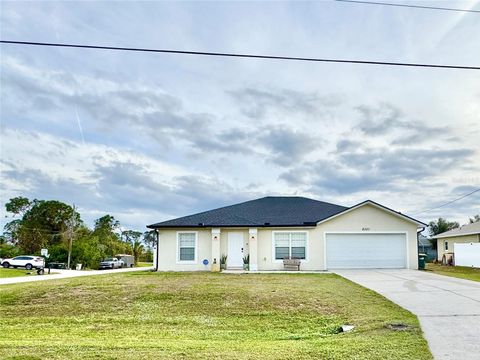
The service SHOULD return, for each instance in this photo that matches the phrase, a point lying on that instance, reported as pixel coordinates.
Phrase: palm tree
(138, 249)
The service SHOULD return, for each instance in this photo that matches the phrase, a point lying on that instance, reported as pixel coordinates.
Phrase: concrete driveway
(64, 274)
(448, 308)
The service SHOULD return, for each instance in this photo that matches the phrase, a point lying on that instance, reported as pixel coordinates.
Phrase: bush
(88, 251)
(9, 251)
(58, 253)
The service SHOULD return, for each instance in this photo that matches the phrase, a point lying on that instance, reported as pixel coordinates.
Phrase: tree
(106, 223)
(18, 205)
(130, 236)
(475, 219)
(44, 224)
(150, 239)
(105, 229)
(440, 226)
(138, 249)
(133, 238)
(10, 231)
(58, 227)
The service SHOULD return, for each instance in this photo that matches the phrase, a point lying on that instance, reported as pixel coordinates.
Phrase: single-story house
(469, 233)
(323, 235)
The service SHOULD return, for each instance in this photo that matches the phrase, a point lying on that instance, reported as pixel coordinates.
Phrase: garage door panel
(350, 251)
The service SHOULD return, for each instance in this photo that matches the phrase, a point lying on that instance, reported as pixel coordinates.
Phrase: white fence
(467, 254)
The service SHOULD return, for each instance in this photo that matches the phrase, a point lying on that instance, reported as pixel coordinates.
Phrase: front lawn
(7, 273)
(461, 272)
(144, 264)
(146, 315)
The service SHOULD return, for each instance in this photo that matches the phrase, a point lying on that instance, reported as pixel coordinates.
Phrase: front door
(235, 249)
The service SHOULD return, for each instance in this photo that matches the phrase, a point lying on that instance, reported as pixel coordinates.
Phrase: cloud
(461, 209)
(100, 179)
(287, 146)
(154, 115)
(381, 169)
(261, 103)
(388, 120)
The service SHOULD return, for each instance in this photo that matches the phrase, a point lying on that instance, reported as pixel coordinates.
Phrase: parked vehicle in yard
(128, 260)
(111, 263)
(26, 261)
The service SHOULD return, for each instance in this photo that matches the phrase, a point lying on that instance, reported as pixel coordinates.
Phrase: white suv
(28, 262)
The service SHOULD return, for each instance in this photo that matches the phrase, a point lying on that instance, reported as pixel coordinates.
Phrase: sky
(148, 137)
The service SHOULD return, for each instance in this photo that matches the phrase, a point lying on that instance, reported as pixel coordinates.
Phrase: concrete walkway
(65, 274)
(448, 308)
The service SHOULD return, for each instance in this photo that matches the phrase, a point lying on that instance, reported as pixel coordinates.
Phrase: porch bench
(291, 264)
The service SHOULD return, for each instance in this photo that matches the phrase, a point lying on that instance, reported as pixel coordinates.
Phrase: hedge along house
(324, 236)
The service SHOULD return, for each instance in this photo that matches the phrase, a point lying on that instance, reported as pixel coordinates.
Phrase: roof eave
(445, 235)
(208, 226)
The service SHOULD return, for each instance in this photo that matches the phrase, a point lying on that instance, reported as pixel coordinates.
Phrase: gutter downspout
(157, 251)
(419, 230)
(418, 243)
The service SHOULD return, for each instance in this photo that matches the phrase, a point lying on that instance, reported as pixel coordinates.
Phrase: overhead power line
(450, 202)
(239, 55)
(409, 6)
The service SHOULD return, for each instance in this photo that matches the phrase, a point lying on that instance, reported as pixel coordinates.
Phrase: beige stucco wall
(451, 240)
(359, 220)
(167, 251)
(366, 217)
(168, 248)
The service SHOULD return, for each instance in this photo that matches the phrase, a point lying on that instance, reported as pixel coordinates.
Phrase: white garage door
(360, 251)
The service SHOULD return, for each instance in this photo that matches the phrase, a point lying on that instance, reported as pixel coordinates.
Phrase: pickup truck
(111, 263)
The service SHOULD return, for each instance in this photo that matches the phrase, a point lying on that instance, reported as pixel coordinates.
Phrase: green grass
(147, 315)
(461, 272)
(8, 273)
(144, 264)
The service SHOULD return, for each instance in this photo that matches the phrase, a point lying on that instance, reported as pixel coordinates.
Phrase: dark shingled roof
(264, 212)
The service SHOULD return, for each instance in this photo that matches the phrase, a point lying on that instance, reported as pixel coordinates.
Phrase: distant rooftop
(469, 229)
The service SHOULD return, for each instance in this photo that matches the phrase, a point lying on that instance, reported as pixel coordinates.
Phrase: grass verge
(8, 273)
(144, 264)
(461, 272)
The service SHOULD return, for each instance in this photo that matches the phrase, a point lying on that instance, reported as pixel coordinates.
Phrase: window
(187, 243)
(290, 245)
(446, 245)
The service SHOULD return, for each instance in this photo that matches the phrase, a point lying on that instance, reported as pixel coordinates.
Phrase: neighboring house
(323, 235)
(425, 246)
(469, 233)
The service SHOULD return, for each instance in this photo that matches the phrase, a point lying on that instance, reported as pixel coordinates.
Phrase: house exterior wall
(167, 251)
(365, 219)
(375, 220)
(266, 259)
(454, 239)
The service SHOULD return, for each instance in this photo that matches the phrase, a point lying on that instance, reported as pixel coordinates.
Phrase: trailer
(128, 260)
